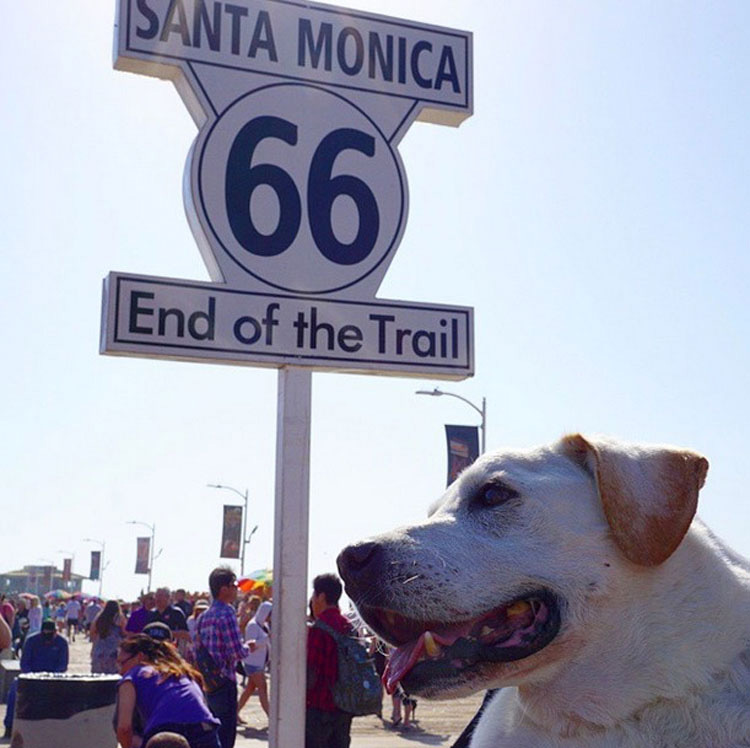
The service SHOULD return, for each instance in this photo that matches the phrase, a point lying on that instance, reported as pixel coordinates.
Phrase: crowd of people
(180, 656)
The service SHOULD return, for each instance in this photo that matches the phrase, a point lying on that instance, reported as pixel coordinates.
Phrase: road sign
(294, 184)
(298, 200)
(190, 321)
(310, 204)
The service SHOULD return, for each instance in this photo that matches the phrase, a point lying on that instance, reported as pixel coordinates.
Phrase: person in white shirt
(258, 641)
(35, 616)
(72, 614)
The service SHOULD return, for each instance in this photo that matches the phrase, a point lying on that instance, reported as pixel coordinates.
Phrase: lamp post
(437, 392)
(100, 543)
(245, 538)
(151, 550)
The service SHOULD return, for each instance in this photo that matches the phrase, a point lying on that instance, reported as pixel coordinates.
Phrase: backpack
(357, 689)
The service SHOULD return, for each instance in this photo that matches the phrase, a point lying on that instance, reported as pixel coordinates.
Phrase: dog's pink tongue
(400, 661)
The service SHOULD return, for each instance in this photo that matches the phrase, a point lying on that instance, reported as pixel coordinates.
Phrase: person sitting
(44, 652)
(167, 692)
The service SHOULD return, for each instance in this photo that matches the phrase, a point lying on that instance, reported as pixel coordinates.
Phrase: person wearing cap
(159, 631)
(201, 606)
(43, 652)
(165, 691)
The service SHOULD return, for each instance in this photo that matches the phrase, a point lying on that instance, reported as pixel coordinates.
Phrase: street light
(151, 553)
(100, 543)
(482, 411)
(245, 539)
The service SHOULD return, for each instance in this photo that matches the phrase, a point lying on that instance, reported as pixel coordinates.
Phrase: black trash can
(57, 710)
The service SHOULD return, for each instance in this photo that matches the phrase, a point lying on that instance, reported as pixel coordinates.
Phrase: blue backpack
(357, 689)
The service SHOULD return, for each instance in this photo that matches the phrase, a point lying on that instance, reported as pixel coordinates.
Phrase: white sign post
(298, 200)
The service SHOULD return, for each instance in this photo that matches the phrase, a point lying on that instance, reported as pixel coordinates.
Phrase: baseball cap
(159, 631)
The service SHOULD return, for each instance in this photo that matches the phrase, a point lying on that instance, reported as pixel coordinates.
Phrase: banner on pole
(67, 567)
(231, 536)
(96, 564)
(143, 552)
(463, 448)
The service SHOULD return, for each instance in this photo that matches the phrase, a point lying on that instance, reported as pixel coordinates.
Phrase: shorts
(250, 669)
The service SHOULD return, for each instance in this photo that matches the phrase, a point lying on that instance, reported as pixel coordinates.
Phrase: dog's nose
(359, 562)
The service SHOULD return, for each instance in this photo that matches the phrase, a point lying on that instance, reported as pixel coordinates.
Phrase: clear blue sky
(593, 211)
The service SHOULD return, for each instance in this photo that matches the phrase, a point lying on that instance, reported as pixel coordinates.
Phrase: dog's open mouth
(434, 650)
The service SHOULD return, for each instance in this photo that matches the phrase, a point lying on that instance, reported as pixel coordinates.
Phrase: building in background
(38, 580)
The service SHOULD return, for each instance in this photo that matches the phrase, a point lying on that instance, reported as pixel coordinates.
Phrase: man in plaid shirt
(220, 635)
(326, 726)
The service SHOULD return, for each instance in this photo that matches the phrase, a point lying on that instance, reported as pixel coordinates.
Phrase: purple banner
(231, 536)
(463, 448)
(142, 555)
(96, 564)
(67, 567)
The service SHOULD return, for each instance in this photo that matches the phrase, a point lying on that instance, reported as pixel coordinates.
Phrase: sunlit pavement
(436, 724)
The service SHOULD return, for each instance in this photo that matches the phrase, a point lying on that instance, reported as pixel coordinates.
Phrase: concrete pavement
(436, 723)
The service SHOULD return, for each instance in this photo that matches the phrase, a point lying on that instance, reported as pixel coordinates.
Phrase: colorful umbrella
(57, 595)
(257, 580)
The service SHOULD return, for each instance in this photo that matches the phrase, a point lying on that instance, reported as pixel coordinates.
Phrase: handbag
(208, 668)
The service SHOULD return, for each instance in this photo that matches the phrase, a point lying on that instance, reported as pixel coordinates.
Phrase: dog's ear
(649, 494)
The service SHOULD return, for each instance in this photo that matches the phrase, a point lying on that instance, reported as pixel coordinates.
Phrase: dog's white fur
(654, 647)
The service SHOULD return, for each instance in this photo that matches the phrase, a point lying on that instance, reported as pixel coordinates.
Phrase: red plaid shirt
(323, 660)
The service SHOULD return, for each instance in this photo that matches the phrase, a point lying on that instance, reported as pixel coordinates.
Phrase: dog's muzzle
(431, 651)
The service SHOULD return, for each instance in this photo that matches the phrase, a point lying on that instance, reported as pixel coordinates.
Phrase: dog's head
(516, 559)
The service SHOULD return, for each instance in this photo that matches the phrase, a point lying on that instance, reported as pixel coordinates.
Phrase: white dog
(575, 578)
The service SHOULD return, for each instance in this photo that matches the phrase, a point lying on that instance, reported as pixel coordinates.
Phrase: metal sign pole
(288, 654)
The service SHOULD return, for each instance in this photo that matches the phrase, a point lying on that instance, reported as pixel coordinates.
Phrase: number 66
(322, 191)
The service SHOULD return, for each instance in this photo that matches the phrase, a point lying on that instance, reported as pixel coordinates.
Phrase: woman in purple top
(167, 693)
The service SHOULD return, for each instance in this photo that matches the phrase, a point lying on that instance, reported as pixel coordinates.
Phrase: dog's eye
(494, 494)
